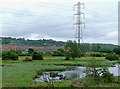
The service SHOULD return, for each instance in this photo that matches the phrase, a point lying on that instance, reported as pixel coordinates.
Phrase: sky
(53, 19)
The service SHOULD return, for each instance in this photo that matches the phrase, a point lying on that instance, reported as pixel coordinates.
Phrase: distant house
(25, 48)
(40, 49)
(6, 48)
(35, 48)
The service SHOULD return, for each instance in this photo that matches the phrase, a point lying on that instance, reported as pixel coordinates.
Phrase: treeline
(96, 47)
(71, 51)
(8, 41)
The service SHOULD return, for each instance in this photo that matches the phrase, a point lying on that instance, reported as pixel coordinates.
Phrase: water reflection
(115, 70)
(77, 73)
(74, 74)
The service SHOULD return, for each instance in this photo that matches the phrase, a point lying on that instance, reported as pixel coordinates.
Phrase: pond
(76, 73)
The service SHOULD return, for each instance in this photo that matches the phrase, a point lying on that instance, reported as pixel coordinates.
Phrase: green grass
(21, 74)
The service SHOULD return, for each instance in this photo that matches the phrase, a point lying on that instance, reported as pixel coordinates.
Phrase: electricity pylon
(78, 23)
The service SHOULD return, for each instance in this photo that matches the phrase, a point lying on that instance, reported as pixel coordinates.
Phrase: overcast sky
(53, 19)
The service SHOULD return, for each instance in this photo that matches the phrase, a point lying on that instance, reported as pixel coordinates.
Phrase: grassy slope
(21, 74)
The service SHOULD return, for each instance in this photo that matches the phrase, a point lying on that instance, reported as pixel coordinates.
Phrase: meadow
(17, 73)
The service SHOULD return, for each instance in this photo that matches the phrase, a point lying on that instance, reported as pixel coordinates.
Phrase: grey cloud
(58, 24)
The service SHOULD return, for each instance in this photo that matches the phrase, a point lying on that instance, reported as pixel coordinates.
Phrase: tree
(72, 48)
(67, 54)
(9, 55)
(37, 56)
(111, 56)
(98, 47)
(57, 53)
(30, 50)
(95, 47)
(105, 50)
(117, 50)
(61, 50)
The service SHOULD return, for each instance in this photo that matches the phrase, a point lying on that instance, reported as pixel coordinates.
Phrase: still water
(77, 73)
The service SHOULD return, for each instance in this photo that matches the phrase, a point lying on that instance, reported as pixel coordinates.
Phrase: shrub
(13, 56)
(67, 54)
(9, 55)
(82, 54)
(37, 56)
(47, 53)
(57, 53)
(24, 53)
(117, 50)
(111, 56)
(105, 50)
(61, 50)
(106, 75)
(97, 55)
(30, 50)
(27, 59)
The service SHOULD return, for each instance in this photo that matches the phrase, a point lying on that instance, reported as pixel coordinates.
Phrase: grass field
(21, 74)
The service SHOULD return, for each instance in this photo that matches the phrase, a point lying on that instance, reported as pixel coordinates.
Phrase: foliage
(47, 53)
(97, 55)
(117, 50)
(98, 74)
(24, 53)
(57, 53)
(27, 59)
(67, 54)
(24, 42)
(30, 50)
(95, 47)
(73, 49)
(105, 50)
(37, 56)
(60, 50)
(7, 41)
(106, 75)
(9, 55)
(91, 70)
(111, 56)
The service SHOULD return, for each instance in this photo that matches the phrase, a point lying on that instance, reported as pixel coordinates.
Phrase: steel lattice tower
(79, 25)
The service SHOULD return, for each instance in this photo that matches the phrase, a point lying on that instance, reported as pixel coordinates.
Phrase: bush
(24, 53)
(111, 56)
(13, 56)
(82, 54)
(67, 54)
(9, 55)
(105, 50)
(57, 53)
(37, 56)
(106, 75)
(30, 50)
(117, 50)
(61, 50)
(27, 59)
(48, 53)
(97, 55)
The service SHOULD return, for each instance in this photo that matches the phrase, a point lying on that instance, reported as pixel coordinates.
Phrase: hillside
(8, 41)
(22, 42)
